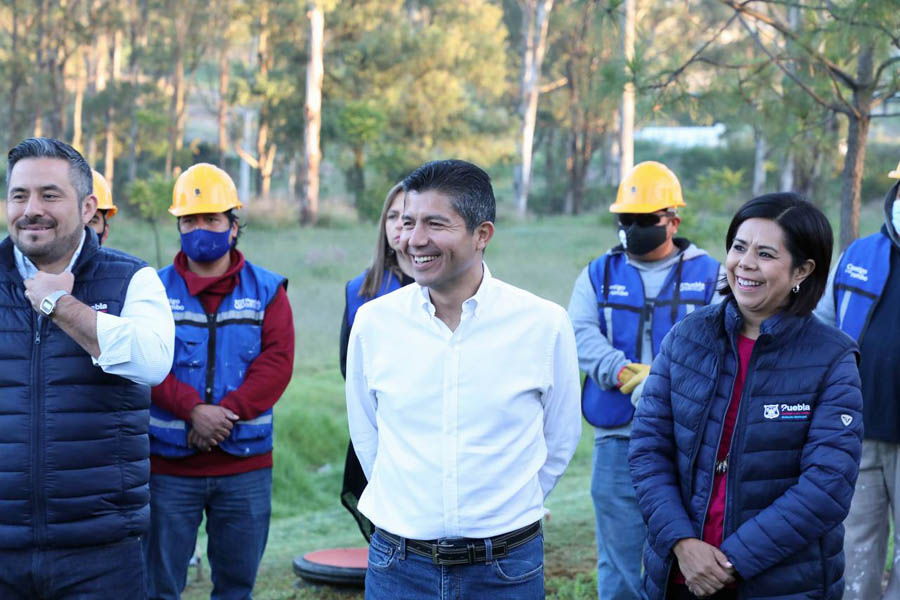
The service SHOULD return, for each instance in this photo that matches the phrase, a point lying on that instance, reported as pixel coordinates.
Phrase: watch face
(47, 306)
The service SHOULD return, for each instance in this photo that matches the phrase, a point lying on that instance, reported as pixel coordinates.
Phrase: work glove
(631, 375)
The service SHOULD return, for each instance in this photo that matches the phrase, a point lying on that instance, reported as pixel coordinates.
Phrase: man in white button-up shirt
(463, 404)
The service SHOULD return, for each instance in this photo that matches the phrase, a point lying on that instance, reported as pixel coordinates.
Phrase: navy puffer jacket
(74, 450)
(794, 454)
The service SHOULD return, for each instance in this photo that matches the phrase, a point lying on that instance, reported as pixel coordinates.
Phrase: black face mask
(99, 238)
(639, 240)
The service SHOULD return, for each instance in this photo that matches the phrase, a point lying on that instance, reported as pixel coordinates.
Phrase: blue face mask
(202, 245)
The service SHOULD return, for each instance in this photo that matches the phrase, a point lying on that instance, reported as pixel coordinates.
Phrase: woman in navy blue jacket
(747, 438)
(389, 271)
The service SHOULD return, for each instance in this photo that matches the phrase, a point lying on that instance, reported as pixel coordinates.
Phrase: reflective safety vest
(389, 283)
(212, 355)
(623, 312)
(859, 282)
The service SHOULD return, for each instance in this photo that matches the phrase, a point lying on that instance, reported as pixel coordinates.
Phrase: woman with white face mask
(747, 439)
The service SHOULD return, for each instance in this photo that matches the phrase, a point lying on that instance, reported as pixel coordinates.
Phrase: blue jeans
(619, 526)
(110, 571)
(237, 526)
(395, 574)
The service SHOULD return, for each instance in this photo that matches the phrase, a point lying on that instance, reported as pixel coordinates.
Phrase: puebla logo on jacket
(787, 412)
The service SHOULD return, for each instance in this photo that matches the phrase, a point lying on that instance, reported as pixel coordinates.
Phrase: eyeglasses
(643, 219)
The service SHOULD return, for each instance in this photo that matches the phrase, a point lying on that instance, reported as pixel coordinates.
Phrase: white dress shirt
(139, 343)
(461, 433)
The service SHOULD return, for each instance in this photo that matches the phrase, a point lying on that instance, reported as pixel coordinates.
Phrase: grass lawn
(543, 256)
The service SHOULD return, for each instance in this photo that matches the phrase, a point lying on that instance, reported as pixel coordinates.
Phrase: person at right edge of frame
(622, 305)
(862, 298)
(211, 419)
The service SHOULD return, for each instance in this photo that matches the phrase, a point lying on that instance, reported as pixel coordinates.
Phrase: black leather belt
(466, 551)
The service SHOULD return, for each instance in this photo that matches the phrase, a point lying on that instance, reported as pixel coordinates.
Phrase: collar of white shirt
(470, 306)
(26, 268)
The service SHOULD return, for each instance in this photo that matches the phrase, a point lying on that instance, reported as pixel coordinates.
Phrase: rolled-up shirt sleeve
(139, 343)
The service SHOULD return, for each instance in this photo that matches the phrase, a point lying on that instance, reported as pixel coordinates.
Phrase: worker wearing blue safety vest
(623, 304)
(862, 297)
(211, 421)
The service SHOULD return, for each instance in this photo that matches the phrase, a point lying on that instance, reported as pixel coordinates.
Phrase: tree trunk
(759, 163)
(138, 40)
(356, 176)
(15, 80)
(176, 106)
(78, 109)
(626, 127)
(787, 172)
(857, 133)
(314, 73)
(535, 19)
(222, 116)
(110, 117)
(262, 133)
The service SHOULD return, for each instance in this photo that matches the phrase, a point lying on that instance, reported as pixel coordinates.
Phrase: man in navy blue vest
(862, 298)
(622, 306)
(84, 332)
(211, 419)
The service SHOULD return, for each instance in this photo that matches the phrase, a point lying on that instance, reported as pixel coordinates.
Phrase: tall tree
(535, 20)
(855, 73)
(626, 126)
(314, 75)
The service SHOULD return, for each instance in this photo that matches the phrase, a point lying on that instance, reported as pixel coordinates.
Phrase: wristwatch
(48, 304)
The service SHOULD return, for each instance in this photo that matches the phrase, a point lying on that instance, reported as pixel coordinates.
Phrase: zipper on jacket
(734, 436)
(696, 450)
(37, 436)
(210, 358)
(719, 443)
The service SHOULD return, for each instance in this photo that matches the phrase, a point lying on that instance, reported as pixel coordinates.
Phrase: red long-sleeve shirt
(713, 527)
(265, 381)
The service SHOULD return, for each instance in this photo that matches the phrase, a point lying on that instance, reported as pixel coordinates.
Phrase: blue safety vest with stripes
(859, 281)
(212, 355)
(624, 311)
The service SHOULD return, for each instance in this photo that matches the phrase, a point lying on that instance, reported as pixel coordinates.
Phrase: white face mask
(895, 215)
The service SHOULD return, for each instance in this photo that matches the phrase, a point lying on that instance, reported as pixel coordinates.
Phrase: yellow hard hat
(649, 187)
(895, 174)
(203, 188)
(104, 195)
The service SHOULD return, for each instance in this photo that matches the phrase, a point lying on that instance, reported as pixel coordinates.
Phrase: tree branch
(882, 67)
(784, 30)
(553, 85)
(812, 94)
(254, 164)
(694, 57)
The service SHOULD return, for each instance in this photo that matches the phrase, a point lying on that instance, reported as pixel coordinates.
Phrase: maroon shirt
(713, 527)
(265, 381)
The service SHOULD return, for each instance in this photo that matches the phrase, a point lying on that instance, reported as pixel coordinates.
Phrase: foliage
(151, 199)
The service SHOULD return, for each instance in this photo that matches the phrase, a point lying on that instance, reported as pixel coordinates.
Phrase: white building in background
(683, 137)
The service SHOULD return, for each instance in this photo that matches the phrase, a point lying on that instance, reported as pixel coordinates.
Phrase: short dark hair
(40, 147)
(468, 187)
(807, 236)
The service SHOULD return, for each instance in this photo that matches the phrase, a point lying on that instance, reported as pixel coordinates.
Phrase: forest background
(316, 108)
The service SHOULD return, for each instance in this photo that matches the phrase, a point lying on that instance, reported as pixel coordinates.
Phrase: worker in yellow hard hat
(622, 305)
(211, 418)
(105, 208)
(861, 299)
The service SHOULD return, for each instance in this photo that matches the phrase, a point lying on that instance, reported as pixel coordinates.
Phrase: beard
(46, 252)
